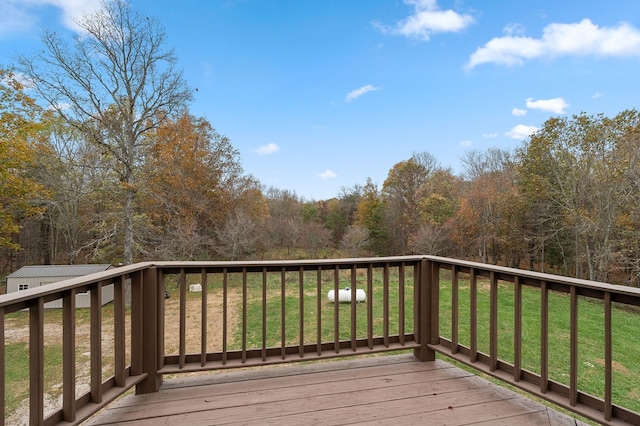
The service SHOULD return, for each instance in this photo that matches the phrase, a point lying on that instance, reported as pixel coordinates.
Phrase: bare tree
(117, 83)
(237, 238)
(355, 240)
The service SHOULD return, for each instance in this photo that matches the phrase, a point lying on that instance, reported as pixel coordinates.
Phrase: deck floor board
(379, 390)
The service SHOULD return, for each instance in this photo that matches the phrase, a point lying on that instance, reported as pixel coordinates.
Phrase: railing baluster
(473, 315)
(2, 368)
(225, 290)
(96, 342)
(264, 313)
(69, 355)
(244, 315)
(385, 302)
(319, 296)
(336, 309)
(573, 350)
(160, 326)
(517, 331)
(454, 309)
(136, 324)
(183, 318)
(608, 349)
(36, 361)
(401, 285)
(435, 303)
(283, 296)
(301, 311)
(119, 331)
(493, 322)
(203, 316)
(353, 307)
(370, 306)
(544, 337)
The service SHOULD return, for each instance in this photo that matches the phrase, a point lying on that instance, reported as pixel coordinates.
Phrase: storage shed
(39, 275)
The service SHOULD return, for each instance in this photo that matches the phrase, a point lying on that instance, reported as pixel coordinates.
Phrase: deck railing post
(423, 311)
(150, 329)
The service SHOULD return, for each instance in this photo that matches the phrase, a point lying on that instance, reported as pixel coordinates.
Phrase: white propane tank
(344, 295)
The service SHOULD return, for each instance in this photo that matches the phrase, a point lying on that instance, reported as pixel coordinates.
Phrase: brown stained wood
(183, 317)
(608, 353)
(119, 331)
(573, 348)
(36, 360)
(385, 303)
(319, 310)
(225, 284)
(493, 322)
(203, 316)
(301, 311)
(544, 337)
(517, 332)
(2, 366)
(353, 289)
(381, 390)
(244, 315)
(150, 348)
(370, 307)
(161, 316)
(69, 355)
(264, 313)
(454, 309)
(283, 295)
(401, 301)
(336, 310)
(96, 342)
(473, 315)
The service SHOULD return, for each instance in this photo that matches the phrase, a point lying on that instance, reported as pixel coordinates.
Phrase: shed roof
(39, 271)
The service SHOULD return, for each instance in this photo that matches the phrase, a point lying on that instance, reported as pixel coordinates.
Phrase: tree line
(101, 161)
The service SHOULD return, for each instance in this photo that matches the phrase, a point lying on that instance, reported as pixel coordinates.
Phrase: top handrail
(76, 282)
(541, 276)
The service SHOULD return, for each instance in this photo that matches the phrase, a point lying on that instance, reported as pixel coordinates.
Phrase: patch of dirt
(18, 332)
(616, 366)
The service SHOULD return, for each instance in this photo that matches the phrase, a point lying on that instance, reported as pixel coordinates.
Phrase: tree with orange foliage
(194, 184)
(21, 123)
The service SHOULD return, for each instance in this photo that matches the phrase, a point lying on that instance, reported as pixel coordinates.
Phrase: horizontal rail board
(236, 361)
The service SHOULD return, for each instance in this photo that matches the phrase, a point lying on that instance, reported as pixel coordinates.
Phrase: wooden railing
(536, 380)
(235, 314)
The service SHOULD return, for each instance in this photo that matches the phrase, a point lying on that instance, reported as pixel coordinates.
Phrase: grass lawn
(626, 329)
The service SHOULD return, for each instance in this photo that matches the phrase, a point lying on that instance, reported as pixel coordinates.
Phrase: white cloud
(521, 131)
(556, 105)
(269, 148)
(597, 95)
(466, 143)
(513, 29)
(62, 106)
(519, 112)
(579, 39)
(491, 135)
(21, 15)
(359, 92)
(327, 174)
(426, 20)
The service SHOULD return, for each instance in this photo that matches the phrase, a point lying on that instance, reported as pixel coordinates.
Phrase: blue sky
(320, 95)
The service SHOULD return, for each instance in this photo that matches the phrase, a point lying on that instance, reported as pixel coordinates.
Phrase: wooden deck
(380, 390)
